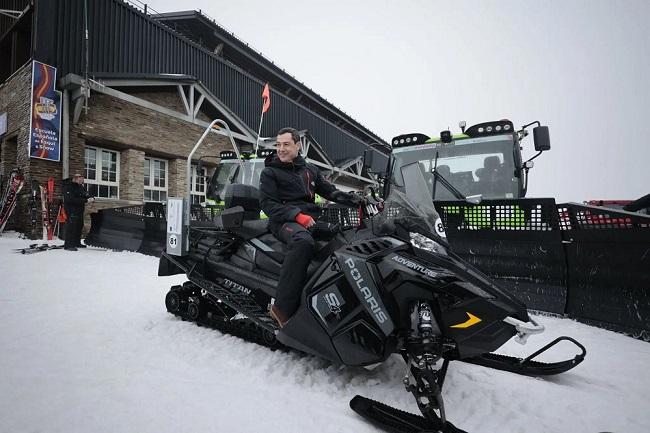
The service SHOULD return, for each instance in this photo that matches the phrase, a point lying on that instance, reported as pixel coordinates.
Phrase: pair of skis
(47, 199)
(38, 248)
(9, 198)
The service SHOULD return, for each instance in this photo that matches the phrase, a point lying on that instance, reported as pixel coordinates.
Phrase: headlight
(424, 243)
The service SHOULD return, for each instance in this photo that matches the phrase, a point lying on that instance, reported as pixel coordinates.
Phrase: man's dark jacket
(74, 197)
(289, 188)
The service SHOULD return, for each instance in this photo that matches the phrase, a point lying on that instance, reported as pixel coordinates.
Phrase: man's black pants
(294, 268)
(73, 227)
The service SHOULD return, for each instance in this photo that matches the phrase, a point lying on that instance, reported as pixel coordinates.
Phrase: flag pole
(259, 131)
(257, 143)
(266, 104)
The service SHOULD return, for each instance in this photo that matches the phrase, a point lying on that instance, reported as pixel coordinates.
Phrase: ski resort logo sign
(45, 119)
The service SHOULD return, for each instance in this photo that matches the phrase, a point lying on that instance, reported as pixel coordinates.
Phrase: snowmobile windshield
(409, 205)
(232, 171)
(484, 165)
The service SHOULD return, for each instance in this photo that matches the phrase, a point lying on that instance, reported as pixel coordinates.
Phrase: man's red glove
(304, 220)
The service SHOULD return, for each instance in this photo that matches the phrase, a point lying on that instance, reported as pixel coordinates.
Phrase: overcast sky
(580, 67)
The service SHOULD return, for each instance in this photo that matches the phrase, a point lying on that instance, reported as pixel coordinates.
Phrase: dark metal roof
(123, 40)
(200, 28)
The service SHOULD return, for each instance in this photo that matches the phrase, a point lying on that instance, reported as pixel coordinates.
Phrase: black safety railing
(574, 216)
(345, 217)
(525, 214)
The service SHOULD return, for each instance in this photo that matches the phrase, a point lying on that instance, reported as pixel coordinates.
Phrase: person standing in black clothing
(75, 197)
(288, 186)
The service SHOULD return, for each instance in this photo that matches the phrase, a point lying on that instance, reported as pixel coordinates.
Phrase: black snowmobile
(380, 283)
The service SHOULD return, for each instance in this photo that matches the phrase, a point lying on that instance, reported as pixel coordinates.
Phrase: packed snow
(87, 346)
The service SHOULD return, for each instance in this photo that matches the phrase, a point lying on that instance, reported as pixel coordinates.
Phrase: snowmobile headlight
(424, 243)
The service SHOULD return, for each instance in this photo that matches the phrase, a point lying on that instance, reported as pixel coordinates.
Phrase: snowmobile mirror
(541, 138)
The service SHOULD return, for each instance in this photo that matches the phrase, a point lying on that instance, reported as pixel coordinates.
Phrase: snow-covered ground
(87, 346)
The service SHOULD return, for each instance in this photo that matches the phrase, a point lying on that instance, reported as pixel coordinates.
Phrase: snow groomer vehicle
(576, 260)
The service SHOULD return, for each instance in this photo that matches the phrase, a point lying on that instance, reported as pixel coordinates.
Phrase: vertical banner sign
(45, 122)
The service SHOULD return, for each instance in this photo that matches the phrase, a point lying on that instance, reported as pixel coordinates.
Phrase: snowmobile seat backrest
(232, 218)
(246, 196)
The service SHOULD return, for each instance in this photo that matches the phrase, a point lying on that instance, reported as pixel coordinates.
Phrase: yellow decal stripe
(473, 320)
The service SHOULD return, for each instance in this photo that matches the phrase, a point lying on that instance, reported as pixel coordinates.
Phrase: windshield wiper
(438, 177)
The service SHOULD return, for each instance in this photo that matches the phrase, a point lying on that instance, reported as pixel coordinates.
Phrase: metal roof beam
(181, 92)
(197, 106)
(350, 163)
(340, 172)
(12, 13)
(73, 81)
(190, 108)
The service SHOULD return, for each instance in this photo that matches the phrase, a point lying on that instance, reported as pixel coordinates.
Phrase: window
(198, 185)
(155, 180)
(102, 169)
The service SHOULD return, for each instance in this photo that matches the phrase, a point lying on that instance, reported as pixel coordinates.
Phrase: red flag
(266, 98)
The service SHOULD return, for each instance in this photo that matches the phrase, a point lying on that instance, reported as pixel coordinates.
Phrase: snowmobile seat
(274, 252)
(253, 228)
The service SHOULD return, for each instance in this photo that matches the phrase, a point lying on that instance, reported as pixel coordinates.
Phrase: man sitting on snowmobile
(288, 186)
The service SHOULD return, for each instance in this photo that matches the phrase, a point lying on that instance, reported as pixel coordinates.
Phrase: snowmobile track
(187, 303)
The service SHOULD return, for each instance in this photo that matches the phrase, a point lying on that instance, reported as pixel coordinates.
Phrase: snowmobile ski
(528, 367)
(398, 421)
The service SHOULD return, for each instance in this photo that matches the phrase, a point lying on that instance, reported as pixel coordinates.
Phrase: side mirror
(541, 138)
(199, 167)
